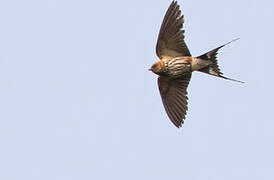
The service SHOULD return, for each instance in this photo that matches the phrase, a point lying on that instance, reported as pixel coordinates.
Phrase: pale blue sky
(77, 101)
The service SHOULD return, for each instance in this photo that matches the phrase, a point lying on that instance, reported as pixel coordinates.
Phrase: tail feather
(213, 69)
(230, 79)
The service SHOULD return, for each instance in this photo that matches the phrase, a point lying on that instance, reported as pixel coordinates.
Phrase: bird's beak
(150, 69)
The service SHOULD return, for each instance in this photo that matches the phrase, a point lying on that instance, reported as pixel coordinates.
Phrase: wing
(174, 97)
(171, 36)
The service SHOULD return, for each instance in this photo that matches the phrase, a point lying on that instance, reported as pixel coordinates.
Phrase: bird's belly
(197, 64)
(178, 67)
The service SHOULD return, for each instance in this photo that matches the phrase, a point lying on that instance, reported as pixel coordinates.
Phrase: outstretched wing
(174, 97)
(171, 36)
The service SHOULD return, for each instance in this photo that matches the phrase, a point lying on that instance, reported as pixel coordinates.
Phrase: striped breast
(178, 66)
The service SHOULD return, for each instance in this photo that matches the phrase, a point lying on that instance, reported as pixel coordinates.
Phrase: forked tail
(213, 69)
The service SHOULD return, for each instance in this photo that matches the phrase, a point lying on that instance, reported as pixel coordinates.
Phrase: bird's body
(176, 65)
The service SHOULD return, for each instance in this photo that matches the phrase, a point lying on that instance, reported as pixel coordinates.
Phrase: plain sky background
(78, 102)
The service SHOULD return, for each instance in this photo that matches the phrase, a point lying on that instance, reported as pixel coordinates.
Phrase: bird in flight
(176, 65)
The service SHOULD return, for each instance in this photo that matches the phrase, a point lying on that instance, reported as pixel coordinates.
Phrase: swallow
(176, 65)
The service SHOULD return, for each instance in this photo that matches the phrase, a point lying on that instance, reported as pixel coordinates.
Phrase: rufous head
(157, 67)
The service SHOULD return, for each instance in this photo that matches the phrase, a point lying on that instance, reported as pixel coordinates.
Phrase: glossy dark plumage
(174, 97)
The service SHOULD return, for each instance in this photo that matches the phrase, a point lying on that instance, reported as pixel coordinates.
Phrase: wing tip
(180, 125)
